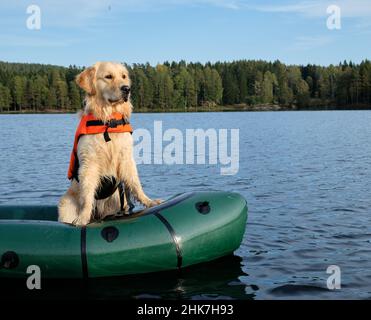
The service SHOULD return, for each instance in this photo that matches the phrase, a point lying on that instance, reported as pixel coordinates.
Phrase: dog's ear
(85, 80)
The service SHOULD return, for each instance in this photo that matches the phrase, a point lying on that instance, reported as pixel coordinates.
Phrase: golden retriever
(107, 87)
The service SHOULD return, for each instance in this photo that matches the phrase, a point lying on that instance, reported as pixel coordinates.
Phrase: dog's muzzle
(125, 92)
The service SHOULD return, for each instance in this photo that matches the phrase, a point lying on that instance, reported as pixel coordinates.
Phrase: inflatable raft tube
(185, 230)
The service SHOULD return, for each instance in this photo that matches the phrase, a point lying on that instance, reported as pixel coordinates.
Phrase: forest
(181, 86)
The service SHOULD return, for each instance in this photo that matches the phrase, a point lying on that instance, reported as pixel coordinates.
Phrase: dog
(108, 155)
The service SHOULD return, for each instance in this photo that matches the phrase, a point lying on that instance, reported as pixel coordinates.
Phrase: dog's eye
(109, 76)
(123, 76)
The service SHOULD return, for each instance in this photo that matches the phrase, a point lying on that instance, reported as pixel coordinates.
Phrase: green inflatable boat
(185, 230)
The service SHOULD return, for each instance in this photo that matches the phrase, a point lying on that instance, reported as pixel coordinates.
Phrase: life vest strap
(112, 123)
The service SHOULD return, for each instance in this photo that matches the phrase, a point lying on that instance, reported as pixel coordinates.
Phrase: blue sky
(136, 31)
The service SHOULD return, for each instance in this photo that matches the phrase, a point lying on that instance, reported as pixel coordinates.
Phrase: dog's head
(107, 85)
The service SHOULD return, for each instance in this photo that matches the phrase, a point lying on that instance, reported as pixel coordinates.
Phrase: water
(306, 177)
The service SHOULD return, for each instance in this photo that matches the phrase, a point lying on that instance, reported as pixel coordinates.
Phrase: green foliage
(185, 86)
(163, 88)
(268, 84)
(143, 94)
(5, 98)
(302, 93)
(74, 95)
(213, 87)
(19, 91)
(185, 90)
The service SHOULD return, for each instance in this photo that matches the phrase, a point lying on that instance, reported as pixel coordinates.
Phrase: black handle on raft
(203, 207)
(110, 234)
(9, 260)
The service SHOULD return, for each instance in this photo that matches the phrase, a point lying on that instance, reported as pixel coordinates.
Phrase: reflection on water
(219, 279)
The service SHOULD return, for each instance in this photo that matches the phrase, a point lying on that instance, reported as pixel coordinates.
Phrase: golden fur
(102, 84)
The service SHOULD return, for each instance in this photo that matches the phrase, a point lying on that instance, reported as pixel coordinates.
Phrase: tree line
(188, 86)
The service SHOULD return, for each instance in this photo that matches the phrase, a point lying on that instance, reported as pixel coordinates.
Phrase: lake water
(305, 175)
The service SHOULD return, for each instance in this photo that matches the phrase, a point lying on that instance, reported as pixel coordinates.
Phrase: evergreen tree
(5, 98)
(74, 96)
(19, 91)
(213, 87)
(51, 101)
(62, 94)
(269, 82)
(303, 93)
(230, 85)
(142, 93)
(185, 89)
(164, 88)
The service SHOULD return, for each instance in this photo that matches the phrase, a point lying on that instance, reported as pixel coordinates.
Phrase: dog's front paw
(81, 221)
(155, 202)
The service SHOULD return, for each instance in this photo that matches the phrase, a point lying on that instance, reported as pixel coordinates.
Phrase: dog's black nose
(125, 89)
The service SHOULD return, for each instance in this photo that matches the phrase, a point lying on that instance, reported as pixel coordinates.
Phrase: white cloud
(153, 4)
(77, 13)
(317, 8)
(308, 8)
(81, 15)
(94, 7)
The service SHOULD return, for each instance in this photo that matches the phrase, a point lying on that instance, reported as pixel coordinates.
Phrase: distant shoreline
(235, 108)
(244, 85)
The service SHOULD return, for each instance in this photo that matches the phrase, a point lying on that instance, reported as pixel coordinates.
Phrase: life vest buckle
(113, 123)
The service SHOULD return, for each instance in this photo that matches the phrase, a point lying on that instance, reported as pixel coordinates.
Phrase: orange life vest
(91, 125)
